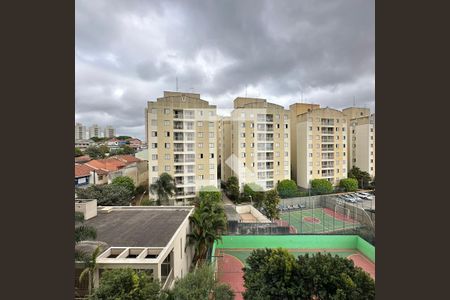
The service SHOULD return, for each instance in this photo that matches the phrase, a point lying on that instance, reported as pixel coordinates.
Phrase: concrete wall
(87, 207)
(249, 209)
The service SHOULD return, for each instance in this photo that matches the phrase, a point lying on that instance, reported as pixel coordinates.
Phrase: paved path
(226, 200)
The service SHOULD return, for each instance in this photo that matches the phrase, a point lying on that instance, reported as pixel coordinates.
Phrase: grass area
(326, 222)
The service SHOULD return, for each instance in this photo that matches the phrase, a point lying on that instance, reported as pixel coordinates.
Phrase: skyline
(323, 53)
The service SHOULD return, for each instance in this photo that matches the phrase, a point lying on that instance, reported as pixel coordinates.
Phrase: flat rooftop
(138, 226)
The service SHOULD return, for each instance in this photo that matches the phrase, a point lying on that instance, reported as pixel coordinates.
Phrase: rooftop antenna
(176, 84)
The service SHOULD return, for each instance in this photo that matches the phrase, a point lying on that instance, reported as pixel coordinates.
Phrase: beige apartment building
(94, 131)
(320, 144)
(224, 146)
(361, 139)
(259, 151)
(182, 141)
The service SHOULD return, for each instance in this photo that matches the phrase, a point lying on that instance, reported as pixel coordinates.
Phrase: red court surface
(338, 216)
(311, 220)
(230, 270)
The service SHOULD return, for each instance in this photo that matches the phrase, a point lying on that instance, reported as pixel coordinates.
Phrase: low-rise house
(119, 165)
(82, 159)
(153, 239)
(83, 175)
(83, 144)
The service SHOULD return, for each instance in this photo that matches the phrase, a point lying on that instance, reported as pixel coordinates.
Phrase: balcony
(327, 173)
(179, 180)
(265, 137)
(327, 122)
(178, 148)
(265, 127)
(265, 146)
(179, 170)
(327, 155)
(178, 125)
(327, 131)
(178, 136)
(178, 158)
(329, 165)
(328, 139)
(326, 149)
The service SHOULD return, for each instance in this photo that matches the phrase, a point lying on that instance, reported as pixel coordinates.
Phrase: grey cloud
(323, 49)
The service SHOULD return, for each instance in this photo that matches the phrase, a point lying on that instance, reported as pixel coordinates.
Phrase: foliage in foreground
(164, 187)
(276, 274)
(126, 284)
(106, 195)
(208, 223)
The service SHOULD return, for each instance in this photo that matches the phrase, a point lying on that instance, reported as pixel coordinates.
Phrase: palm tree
(90, 268)
(164, 187)
(82, 233)
(208, 222)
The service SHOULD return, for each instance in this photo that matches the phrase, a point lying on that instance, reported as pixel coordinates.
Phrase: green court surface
(243, 254)
(318, 220)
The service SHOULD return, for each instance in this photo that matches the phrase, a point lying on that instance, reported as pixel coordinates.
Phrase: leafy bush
(349, 184)
(106, 195)
(287, 188)
(124, 181)
(233, 188)
(321, 186)
(271, 202)
(277, 274)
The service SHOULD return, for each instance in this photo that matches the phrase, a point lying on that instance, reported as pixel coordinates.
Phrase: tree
(164, 187)
(321, 186)
(123, 150)
(124, 181)
(276, 274)
(271, 202)
(201, 285)
(349, 184)
(90, 269)
(82, 233)
(78, 152)
(232, 188)
(123, 137)
(253, 193)
(106, 195)
(362, 177)
(95, 152)
(126, 284)
(208, 223)
(287, 188)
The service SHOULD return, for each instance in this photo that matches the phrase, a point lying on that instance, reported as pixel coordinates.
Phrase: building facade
(224, 142)
(182, 142)
(94, 131)
(260, 144)
(321, 146)
(80, 132)
(109, 132)
(361, 139)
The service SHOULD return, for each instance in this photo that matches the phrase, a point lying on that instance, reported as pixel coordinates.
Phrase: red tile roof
(112, 163)
(82, 170)
(82, 159)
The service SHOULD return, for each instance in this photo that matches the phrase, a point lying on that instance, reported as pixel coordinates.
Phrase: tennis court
(230, 255)
(318, 220)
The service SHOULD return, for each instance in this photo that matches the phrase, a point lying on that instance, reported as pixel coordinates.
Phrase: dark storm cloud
(129, 52)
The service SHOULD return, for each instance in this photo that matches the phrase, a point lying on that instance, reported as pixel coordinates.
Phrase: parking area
(364, 200)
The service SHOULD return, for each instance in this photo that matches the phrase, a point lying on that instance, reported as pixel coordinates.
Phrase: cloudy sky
(129, 52)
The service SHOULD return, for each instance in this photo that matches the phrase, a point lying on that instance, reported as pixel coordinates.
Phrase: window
(167, 168)
(154, 156)
(212, 176)
(200, 155)
(243, 124)
(337, 129)
(343, 145)
(167, 157)
(211, 113)
(371, 168)
(166, 111)
(310, 146)
(252, 145)
(371, 137)
(167, 145)
(200, 177)
(318, 146)
(286, 163)
(200, 145)
(154, 133)
(343, 129)
(310, 128)
(199, 123)
(318, 128)
(309, 137)
(200, 112)
(212, 166)
(286, 145)
(337, 146)
(286, 136)
(166, 122)
(371, 160)
(200, 167)
(211, 124)
(286, 126)
(371, 152)
(286, 153)
(337, 170)
(277, 117)
(343, 154)
(154, 145)
(278, 125)
(211, 155)
(200, 134)
(371, 145)
(211, 145)
(310, 154)
(310, 172)
(242, 145)
(278, 163)
(243, 115)
(243, 134)
(317, 137)
(310, 164)
(252, 125)
(154, 168)
(277, 145)
(168, 133)
(243, 154)
(154, 122)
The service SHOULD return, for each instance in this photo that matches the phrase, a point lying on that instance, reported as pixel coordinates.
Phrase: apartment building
(295, 110)
(224, 146)
(80, 132)
(260, 144)
(109, 132)
(94, 131)
(320, 145)
(182, 132)
(361, 139)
